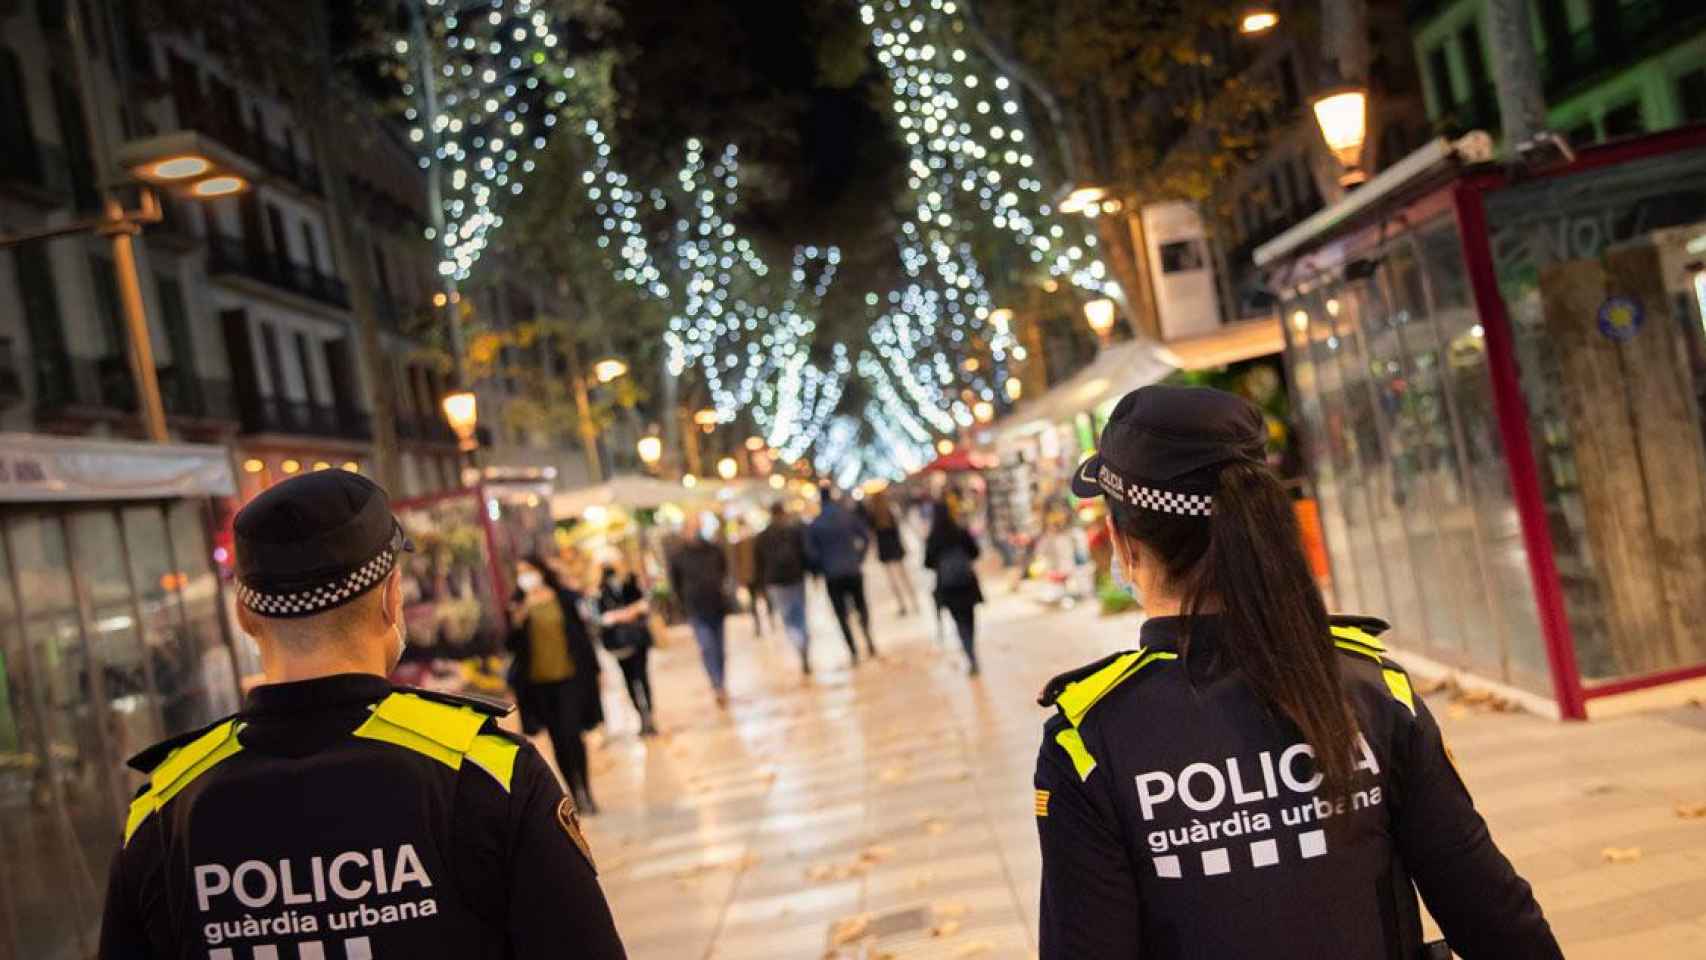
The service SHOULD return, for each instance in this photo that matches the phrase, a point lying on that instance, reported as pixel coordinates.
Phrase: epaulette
(1052, 690)
(448, 728)
(490, 706)
(147, 760)
(1359, 637)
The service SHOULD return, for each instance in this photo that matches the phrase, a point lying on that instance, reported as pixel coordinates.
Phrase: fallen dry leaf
(1620, 854)
(849, 929)
(946, 928)
(1691, 811)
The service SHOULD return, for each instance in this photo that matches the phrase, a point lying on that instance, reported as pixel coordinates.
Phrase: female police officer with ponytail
(1256, 779)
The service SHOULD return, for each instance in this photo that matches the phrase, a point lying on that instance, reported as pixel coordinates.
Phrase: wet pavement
(888, 811)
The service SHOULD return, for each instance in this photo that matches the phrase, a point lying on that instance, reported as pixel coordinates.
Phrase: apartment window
(105, 289)
(305, 357)
(272, 359)
(1474, 61)
(1439, 79)
(1624, 120)
(1691, 96)
(275, 227)
(74, 136)
(177, 322)
(14, 110)
(308, 244)
(41, 314)
(185, 82)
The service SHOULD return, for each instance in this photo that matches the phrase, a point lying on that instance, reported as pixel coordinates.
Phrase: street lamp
(755, 444)
(1258, 20)
(1342, 115)
(608, 369)
(706, 419)
(1084, 200)
(944, 446)
(650, 450)
(1100, 314)
(777, 481)
(984, 411)
(1001, 318)
(184, 161)
(727, 468)
(1015, 388)
(461, 411)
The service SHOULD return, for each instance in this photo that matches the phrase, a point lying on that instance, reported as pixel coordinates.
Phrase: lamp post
(727, 468)
(1257, 20)
(462, 412)
(650, 449)
(608, 369)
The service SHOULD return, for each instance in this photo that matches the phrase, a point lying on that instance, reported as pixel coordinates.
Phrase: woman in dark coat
(622, 613)
(951, 551)
(891, 552)
(555, 671)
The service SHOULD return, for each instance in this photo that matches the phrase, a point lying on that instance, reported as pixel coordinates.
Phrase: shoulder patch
(1085, 692)
(180, 768)
(569, 819)
(147, 760)
(449, 730)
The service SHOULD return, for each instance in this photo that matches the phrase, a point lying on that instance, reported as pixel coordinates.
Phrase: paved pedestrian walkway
(888, 812)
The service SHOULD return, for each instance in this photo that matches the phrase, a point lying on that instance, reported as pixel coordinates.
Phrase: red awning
(960, 461)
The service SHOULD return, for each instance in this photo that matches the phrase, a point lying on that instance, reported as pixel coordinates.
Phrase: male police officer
(338, 817)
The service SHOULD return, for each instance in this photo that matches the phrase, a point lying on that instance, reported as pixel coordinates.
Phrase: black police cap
(1163, 448)
(315, 542)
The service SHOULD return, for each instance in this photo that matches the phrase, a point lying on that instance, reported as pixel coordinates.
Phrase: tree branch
(1010, 64)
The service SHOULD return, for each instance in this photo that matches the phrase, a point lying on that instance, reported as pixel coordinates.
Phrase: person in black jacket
(699, 575)
(952, 551)
(622, 612)
(555, 672)
(1255, 779)
(781, 560)
(338, 815)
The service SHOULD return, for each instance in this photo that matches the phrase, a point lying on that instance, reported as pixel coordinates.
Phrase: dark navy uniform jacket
(343, 818)
(1179, 818)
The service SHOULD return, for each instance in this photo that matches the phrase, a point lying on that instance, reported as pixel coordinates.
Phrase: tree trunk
(349, 252)
(1516, 72)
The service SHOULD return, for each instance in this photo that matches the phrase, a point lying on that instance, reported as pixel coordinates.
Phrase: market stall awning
(628, 491)
(960, 461)
(1116, 371)
(1233, 342)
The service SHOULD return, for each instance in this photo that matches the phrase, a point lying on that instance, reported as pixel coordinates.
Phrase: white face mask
(529, 581)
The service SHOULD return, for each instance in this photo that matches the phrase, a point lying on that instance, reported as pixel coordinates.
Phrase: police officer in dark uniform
(338, 817)
(1256, 779)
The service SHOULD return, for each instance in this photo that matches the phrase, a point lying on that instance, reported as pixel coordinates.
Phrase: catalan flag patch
(1042, 803)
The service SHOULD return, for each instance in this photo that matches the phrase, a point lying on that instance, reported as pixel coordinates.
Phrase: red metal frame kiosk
(1462, 335)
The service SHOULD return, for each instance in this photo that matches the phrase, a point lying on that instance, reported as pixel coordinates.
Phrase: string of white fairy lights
(499, 68)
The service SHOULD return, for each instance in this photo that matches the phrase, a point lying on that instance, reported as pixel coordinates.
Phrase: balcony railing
(97, 384)
(273, 415)
(232, 255)
(251, 143)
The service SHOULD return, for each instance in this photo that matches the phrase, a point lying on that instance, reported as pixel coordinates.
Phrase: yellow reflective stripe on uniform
(496, 756)
(1073, 744)
(1079, 696)
(180, 769)
(442, 731)
(1357, 635)
(1399, 684)
(1357, 648)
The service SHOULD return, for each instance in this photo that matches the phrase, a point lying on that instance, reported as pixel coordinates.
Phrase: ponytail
(1246, 563)
(1274, 622)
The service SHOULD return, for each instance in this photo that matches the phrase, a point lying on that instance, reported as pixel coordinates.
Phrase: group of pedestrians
(777, 563)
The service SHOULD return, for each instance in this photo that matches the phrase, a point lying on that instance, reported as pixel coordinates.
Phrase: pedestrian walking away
(781, 559)
(836, 541)
(1302, 796)
(622, 613)
(337, 814)
(951, 551)
(891, 550)
(743, 562)
(699, 575)
(554, 670)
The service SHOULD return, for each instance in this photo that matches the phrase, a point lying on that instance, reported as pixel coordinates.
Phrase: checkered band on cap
(324, 597)
(1149, 498)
